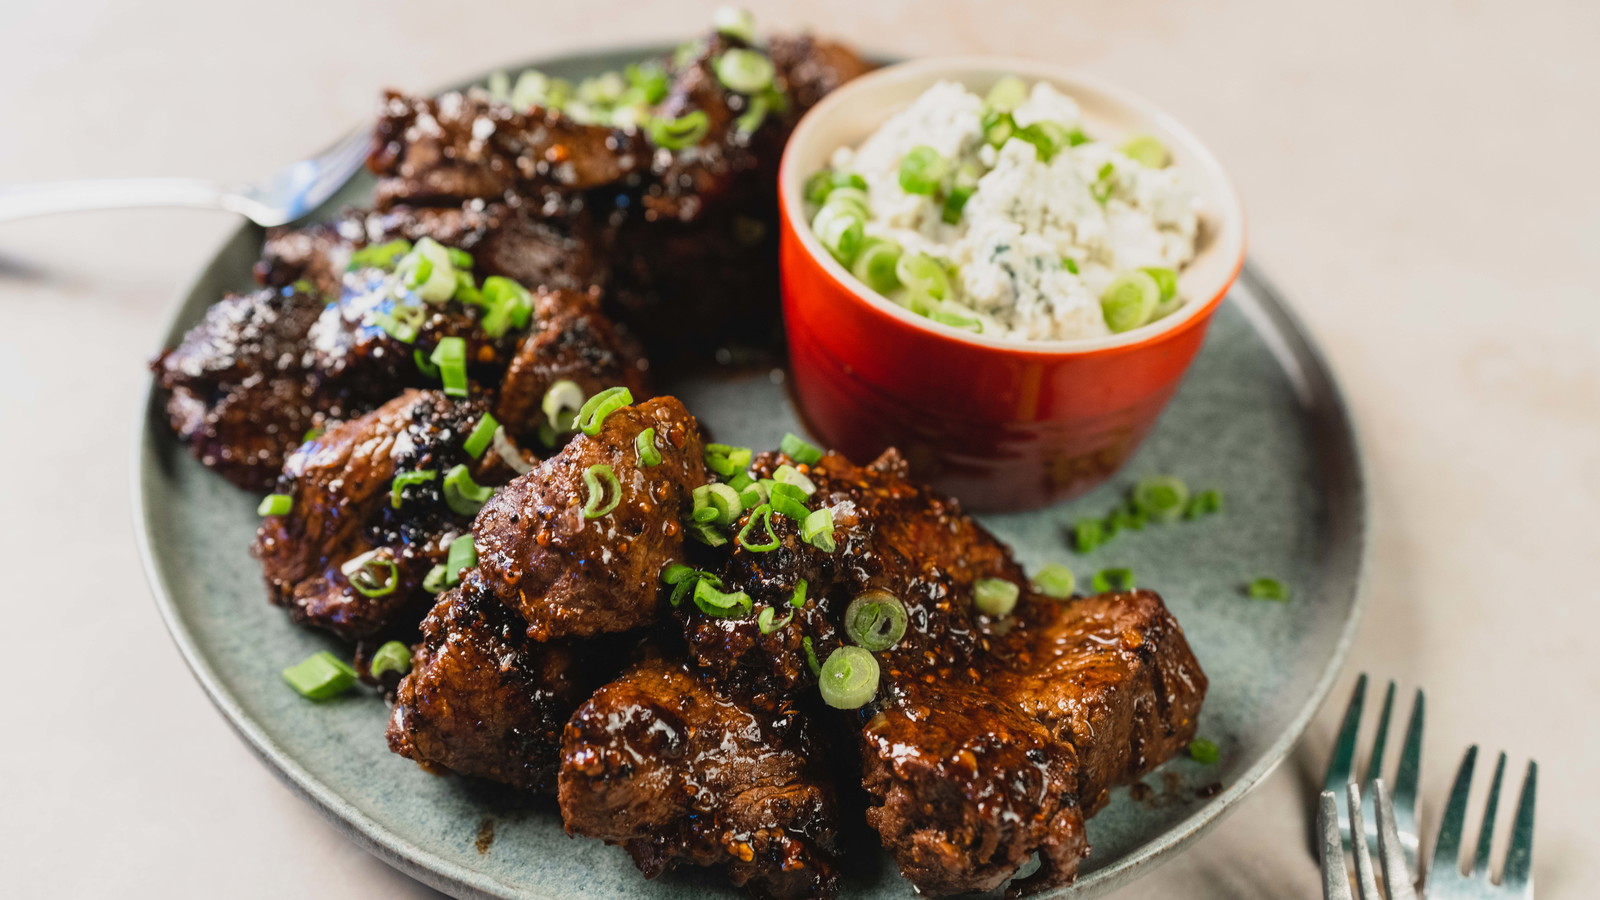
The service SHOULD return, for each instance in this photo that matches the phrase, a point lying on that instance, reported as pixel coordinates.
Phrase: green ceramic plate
(1259, 418)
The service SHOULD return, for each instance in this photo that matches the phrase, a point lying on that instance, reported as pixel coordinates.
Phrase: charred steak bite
(346, 508)
(572, 573)
(810, 67)
(237, 385)
(678, 768)
(483, 700)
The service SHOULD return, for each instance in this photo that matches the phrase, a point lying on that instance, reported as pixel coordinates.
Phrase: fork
(1330, 847)
(281, 197)
(1342, 766)
(1446, 880)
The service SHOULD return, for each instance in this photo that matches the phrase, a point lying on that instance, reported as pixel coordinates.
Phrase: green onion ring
(684, 131)
(718, 604)
(1161, 497)
(560, 405)
(275, 505)
(995, 597)
(767, 621)
(371, 574)
(744, 71)
(817, 530)
(811, 656)
(451, 358)
(1055, 581)
(797, 598)
(644, 445)
(463, 495)
(600, 482)
(849, 679)
(480, 438)
(1107, 580)
(393, 656)
(875, 620)
(787, 474)
(403, 480)
(797, 449)
(762, 514)
(593, 413)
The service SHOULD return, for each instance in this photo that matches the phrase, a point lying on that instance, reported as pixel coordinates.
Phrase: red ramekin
(1002, 424)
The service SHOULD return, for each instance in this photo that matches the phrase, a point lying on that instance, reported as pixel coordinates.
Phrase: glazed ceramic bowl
(1003, 424)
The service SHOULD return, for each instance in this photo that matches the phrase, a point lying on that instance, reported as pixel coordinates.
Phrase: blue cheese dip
(1000, 215)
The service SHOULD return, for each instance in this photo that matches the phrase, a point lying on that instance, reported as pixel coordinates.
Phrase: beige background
(1421, 179)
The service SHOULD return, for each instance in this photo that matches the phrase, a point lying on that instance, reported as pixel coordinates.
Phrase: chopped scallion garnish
(561, 404)
(719, 604)
(876, 620)
(768, 622)
(677, 134)
(717, 504)
(1107, 580)
(592, 415)
(817, 530)
(463, 554)
(875, 265)
(403, 480)
(922, 170)
(744, 71)
(275, 505)
(811, 656)
(1146, 151)
(735, 23)
(644, 445)
(1204, 503)
(1268, 589)
(1129, 301)
(1055, 581)
(437, 579)
(1161, 497)
(1007, 94)
(995, 597)
(463, 495)
(788, 500)
(372, 574)
(602, 491)
(393, 656)
(787, 474)
(726, 460)
(849, 679)
(797, 597)
(1088, 534)
(451, 358)
(481, 436)
(1204, 752)
(762, 516)
(380, 256)
(320, 676)
(797, 449)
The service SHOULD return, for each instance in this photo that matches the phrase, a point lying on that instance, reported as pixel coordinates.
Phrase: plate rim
(1268, 316)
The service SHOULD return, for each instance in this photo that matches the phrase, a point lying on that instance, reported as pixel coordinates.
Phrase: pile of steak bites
(646, 621)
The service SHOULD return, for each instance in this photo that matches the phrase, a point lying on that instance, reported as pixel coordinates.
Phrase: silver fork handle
(46, 198)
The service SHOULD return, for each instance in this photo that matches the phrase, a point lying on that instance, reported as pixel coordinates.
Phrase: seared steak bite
(810, 67)
(482, 699)
(677, 768)
(571, 574)
(237, 386)
(344, 507)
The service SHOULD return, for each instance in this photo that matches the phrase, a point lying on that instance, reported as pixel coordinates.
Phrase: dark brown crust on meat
(678, 770)
(573, 342)
(483, 700)
(572, 576)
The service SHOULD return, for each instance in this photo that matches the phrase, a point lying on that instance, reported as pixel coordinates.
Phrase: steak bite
(677, 768)
(344, 508)
(237, 386)
(482, 699)
(572, 574)
(809, 67)
(1112, 674)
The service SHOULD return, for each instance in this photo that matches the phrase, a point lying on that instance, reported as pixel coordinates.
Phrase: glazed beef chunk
(237, 386)
(344, 507)
(573, 575)
(483, 700)
(811, 67)
(678, 769)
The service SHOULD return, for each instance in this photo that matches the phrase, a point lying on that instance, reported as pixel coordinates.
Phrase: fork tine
(1380, 743)
(1342, 764)
(1480, 863)
(1517, 875)
(1396, 871)
(1406, 779)
(1366, 885)
(1330, 849)
(1453, 824)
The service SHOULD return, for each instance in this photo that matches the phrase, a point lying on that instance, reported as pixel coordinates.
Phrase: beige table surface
(1421, 181)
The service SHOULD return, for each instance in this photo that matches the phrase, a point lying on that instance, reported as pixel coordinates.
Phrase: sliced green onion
(451, 358)
(719, 604)
(684, 131)
(459, 258)
(602, 491)
(312, 434)
(1129, 300)
(1162, 497)
(797, 597)
(956, 316)
(799, 450)
(849, 679)
(740, 480)
(735, 23)
(682, 579)
(463, 554)
(1204, 752)
(401, 322)
(644, 446)
(428, 272)
(1146, 151)
(1055, 581)
(842, 232)
(768, 623)
(875, 265)
(1076, 137)
(380, 256)
(707, 534)
(1007, 94)
(1204, 503)
(817, 530)
(1070, 264)
(275, 505)
(1105, 184)
(436, 580)
(1107, 580)
(403, 480)
(421, 271)
(508, 304)
(1166, 279)
(1127, 516)
(561, 404)
(876, 620)
(811, 656)
(428, 369)
(924, 276)
(847, 198)
(717, 504)
(372, 574)
(1268, 589)
(1166, 308)
(463, 495)
(964, 185)
(1088, 534)
(818, 186)
(787, 474)
(998, 127)
(320, 676)
(466, 291)
(1047, 138)
(762, 515)
(744, 71)
(726, 460)
(922, 170)
(393, 656)
(676, 572)
(995, 597)
(481, 436)
(752, 118)
(593, 413)
(789, 500)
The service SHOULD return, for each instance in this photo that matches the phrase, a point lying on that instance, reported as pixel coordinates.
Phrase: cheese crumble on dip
(1000, 215)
